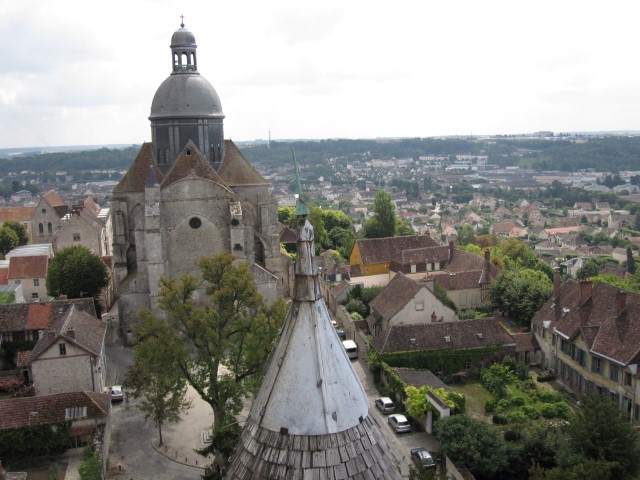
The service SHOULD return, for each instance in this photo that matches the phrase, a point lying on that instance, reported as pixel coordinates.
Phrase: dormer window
(62, 347)
(72, 413)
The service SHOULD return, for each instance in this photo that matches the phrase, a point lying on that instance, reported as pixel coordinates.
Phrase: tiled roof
(75, 326)
(135, 178)
(28, 267)
(395, 296)
(607, 316)
(18, 317)
(464, 334)
(16, 214)
(526, 342)
(422, 255)
(458, 281)
(191, 163)
(379, 250)
(236, 170)
(339, 288)
(50, 409)
(4, 272)
(53, 199)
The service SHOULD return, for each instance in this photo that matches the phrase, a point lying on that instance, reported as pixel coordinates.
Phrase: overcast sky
(84, 73)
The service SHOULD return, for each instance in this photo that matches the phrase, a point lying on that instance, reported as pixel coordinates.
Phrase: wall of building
(72, 372)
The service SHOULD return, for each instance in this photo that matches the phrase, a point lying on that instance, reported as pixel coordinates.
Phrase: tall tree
(219, 343)
(631, 262)
(154, 377)
(76, 272)
(520, 292)
(383, 223)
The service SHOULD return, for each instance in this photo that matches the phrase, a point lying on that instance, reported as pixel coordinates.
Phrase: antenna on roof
(301, 209)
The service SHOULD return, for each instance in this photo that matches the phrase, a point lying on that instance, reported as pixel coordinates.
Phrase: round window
(195, 222)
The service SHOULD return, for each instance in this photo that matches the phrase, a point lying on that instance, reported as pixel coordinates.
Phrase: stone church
(190, 193)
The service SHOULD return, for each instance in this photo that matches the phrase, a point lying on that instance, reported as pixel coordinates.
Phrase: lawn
(476, 396)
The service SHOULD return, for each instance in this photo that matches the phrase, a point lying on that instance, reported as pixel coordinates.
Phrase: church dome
(185, 96)
(182, 37)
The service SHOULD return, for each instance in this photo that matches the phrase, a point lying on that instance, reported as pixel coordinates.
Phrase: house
(455, 341)
(30, 272)
(26, 322)
(21, 215)
(82, 228)
(589, 335)
(87, 412)
(404, 301)
(70, 355)
(47, 217)
(373, 255)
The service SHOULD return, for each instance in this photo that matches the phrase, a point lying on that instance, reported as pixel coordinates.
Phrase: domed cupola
(186, 107)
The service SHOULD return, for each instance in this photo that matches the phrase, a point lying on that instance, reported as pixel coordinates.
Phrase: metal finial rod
(182, 21)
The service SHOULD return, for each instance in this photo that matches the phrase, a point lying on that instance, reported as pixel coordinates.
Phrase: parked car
(385, 405)
(341, 334)
(399, 423)
(422, 458)
(117, 394)
(351, 348)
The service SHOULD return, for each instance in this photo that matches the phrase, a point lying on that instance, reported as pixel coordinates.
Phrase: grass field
(476, 396)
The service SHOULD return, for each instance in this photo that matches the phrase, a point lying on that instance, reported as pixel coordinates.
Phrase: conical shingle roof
(310, 418)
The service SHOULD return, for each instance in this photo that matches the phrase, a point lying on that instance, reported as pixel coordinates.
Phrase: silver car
(399, 423)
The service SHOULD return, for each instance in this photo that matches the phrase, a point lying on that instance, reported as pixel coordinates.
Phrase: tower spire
(181, 21)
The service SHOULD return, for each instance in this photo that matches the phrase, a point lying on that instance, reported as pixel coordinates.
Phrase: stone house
(70, 354)
(82, 228)
(47, 217)
(404, 301)
(30, 272)
(589, 335)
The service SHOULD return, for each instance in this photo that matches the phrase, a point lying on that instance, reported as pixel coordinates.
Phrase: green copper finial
(301, 209)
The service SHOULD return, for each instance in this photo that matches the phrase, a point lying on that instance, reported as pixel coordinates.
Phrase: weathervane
(301, 209)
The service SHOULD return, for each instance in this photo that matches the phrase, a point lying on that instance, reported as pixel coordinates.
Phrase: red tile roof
(380, 250)
(28, 267)
(50, 409)
(16, 214)
(18, 317)
(4, 272)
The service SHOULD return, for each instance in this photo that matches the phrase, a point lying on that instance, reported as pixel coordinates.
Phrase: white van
(351, 348)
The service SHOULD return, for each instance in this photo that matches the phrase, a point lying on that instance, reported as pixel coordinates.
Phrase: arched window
(49, 227)
(40, 228)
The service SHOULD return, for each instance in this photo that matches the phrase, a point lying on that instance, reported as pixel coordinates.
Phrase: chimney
(621, 302)
(451, 250)
(557, 282)
(434, 317)
(71, 333)
(51, 334)
(487, 257)
(585, 290)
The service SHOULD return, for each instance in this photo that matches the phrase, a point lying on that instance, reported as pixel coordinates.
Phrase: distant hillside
(610, 153)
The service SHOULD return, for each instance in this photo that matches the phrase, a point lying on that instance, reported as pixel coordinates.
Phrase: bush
(547, 396)
(517, 416)
(355, 305)
(499, 420)
(503, 405)
(490, 405)
(512, 435)
(530, 411)
(518, 401)
(549, 410)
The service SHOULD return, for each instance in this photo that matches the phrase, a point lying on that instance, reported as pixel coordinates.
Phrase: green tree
(601, 431)
(153, 376)
(631, 262)
(220, 343)
(383, 223)
(21, 231)
(589, 269)
(466, 234)
(520, 292)
(76, 272)
(497, 378)
(8, 240)
(471, 443)
(404, 228)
